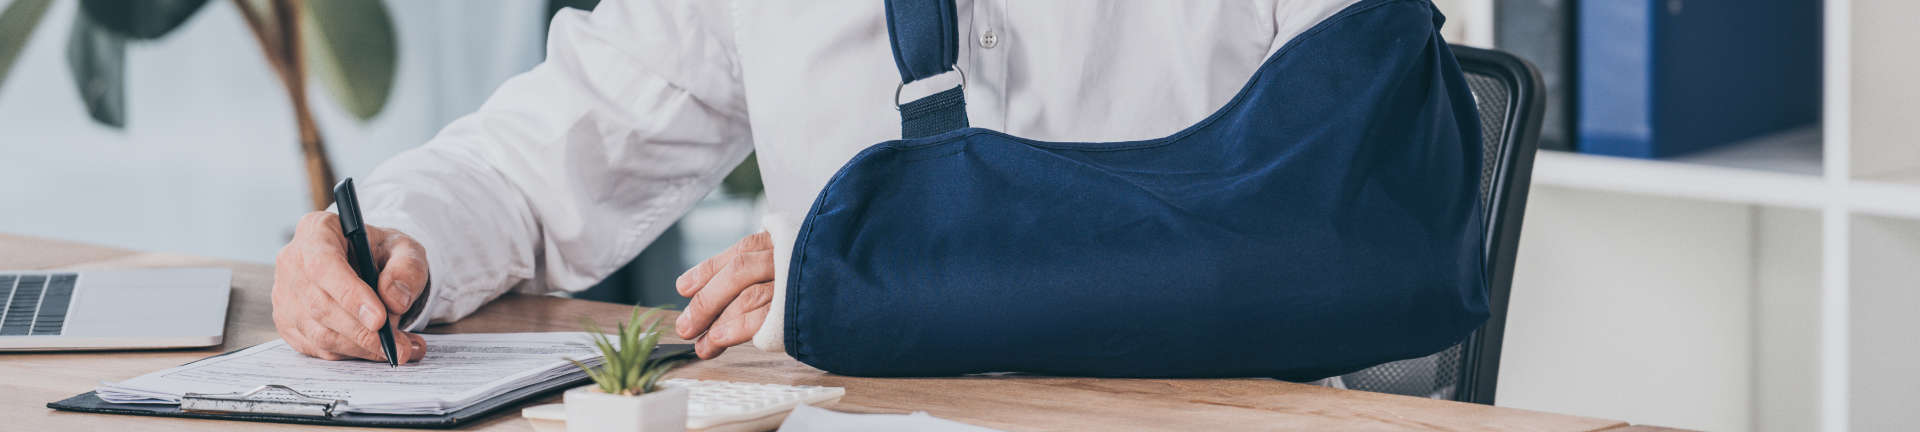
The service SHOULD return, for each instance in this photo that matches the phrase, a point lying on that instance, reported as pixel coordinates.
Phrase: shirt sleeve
(569, 170)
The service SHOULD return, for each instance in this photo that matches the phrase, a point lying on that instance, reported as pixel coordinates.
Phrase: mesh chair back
(1509, 97)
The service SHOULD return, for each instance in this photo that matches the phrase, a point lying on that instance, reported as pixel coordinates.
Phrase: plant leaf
(614, 365)
(612, 354)
(16, 25)
(583, 366)
(97, 57)
(654, 373)
(141, 19)
(597, 377)
(633, 381)
(646, 345)
(625, 374)
(352, 49)
(627, 368)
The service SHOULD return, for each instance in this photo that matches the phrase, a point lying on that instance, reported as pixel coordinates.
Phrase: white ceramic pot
(589, 410)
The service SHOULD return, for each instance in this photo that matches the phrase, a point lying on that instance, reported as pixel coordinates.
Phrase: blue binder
(1662, 78)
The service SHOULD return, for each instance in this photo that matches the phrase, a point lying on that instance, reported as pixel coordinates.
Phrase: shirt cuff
(771, 336)
(415, 320)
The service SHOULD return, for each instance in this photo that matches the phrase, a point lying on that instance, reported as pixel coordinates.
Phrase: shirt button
(988, 40)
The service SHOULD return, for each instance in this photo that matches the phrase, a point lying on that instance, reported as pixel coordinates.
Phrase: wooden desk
(29, 381)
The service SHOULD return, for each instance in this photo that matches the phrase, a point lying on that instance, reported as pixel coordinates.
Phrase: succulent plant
(629, 368)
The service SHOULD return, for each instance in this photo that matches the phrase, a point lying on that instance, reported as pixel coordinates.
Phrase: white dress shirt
(640, 108)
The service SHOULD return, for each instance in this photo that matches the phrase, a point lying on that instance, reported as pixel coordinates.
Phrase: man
(570, 169)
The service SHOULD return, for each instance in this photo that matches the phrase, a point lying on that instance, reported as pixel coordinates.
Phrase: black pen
(360, 256)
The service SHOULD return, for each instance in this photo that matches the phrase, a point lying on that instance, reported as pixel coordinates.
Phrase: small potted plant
(623, 396)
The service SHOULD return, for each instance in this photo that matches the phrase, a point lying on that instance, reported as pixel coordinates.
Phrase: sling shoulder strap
(925, 38)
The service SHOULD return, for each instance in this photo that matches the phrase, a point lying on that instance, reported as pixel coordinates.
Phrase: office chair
(1510, 98)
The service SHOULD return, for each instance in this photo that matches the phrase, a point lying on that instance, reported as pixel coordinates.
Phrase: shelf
(1777, 170)
(1794, 151)
(1892, 196)
(1782, 169)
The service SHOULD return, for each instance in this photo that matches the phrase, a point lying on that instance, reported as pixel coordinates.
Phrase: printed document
(459, 370)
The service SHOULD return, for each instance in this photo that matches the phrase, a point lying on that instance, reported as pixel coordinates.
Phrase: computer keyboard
(35, 304)
(713, 405)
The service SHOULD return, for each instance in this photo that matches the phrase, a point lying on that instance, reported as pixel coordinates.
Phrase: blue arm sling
(1324, 220)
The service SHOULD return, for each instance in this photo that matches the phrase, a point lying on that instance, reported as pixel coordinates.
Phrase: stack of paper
(458, 371)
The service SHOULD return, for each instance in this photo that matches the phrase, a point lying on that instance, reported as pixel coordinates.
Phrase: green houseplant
(624, 396)
(348, 45)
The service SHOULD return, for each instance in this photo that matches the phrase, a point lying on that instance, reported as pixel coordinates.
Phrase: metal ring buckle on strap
(903, 85)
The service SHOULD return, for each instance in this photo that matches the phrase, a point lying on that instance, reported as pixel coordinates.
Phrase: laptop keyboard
(35, 304)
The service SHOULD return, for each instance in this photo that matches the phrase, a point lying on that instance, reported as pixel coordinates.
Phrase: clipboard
(280, 404)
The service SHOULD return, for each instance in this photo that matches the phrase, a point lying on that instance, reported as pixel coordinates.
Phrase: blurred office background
(208, 159)
(1763, 282)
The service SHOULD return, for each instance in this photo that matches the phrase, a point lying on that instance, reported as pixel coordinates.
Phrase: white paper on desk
(806, 418)
(458, 371)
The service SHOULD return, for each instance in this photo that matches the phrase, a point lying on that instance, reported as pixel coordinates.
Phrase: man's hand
(730, 295)
(323, 309)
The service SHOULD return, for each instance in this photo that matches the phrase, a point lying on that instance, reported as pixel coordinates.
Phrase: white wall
(1665, 311)
(1885, 298)
(1633, 308)
(1469, 22)
(208, 163)
(1786, 320)
(1883, 92)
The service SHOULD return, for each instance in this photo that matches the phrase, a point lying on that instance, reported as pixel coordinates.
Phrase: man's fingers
(689, 283)
(733, 326)
(329, 273)
(302, 345)
(408, 347)
(313, 348)
(412, 346)
(745, 269)
(403, 274)
(290, 332)
(321, 306)
(759, 241)
(740, 321)
(323, 260)
(695, 278)
(397, 296)
(326, 341)
(321, 226)
(379, 238)
(345, 331)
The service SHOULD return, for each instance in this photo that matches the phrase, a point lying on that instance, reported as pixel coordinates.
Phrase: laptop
(113, 309)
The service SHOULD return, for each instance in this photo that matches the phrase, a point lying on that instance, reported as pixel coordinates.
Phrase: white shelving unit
(1783, 170)
(1778, 170)
(1771, 284)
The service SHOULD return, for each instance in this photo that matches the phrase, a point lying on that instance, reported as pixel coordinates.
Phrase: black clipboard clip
(266, 399)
